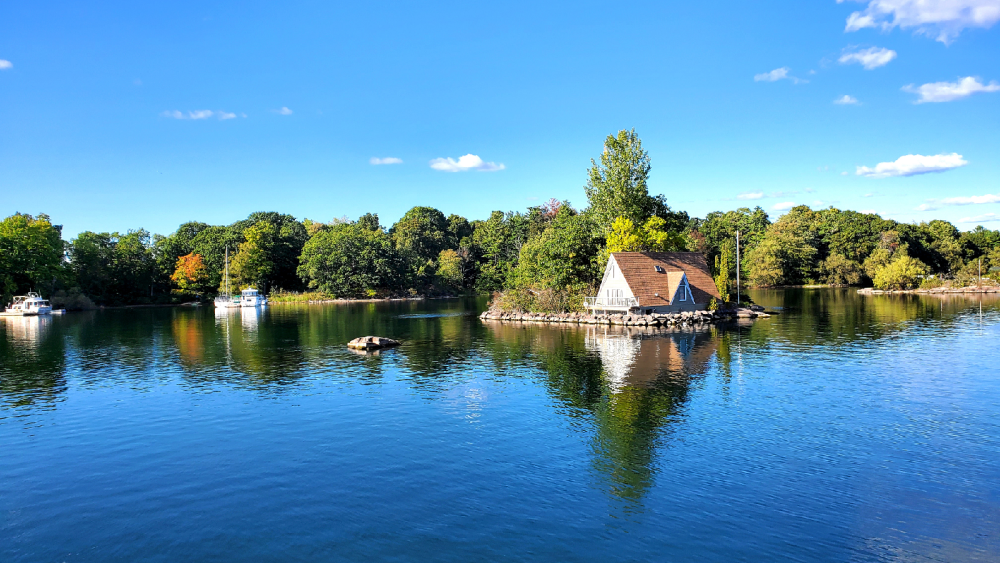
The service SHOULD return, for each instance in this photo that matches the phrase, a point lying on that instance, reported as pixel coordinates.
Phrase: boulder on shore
(372, 343)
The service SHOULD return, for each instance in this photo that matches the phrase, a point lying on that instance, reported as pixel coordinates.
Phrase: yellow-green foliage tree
(450, 274)
(253, 261)
(190, 274)
(902, 273)
(653, 236)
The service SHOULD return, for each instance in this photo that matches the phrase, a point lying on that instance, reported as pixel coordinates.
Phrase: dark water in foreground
(846, 429)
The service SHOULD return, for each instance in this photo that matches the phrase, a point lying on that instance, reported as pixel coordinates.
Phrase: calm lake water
(848, 428)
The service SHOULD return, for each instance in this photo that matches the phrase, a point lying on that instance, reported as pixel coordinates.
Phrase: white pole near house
(737, 268)
(980, 273)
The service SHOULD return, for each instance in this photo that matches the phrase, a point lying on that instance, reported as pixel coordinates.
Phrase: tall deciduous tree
(617, 186)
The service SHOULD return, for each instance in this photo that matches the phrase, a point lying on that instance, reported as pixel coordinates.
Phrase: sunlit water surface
(847, 428)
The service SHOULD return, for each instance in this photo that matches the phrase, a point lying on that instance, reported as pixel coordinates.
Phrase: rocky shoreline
(933, 291)
(655, 319)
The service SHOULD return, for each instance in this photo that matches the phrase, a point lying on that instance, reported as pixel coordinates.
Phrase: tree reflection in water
(631, 383)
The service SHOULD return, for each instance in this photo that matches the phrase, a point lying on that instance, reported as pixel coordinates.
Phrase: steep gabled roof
(639, 270)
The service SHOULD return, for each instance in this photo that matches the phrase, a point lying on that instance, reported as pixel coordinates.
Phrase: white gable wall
(614, 284)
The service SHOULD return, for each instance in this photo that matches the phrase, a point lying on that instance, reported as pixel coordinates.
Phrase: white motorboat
(250, 297)
(29, 305)
(227, 300)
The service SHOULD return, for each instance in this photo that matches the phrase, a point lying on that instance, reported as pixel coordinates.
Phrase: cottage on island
(654, 282)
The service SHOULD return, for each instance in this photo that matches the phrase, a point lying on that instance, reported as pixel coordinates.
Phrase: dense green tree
(369, 221)
(498, 241)
(837, 269)
(459, 230)
(783, 257)
(349, 260)
(422, 231)
(561, 257)
(115, 269)
(31, 254)
(719, 228)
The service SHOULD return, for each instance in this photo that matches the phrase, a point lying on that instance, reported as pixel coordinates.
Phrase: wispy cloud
(984, 218)
(5, 64)
(750, 195)
(283, 111)
(942, 19)
(387, 160)
(784, 206)
(776, 75)
(870, 58)
(933, 204)
(913, 164)
(971, 200)
(467, 162)
(199, 114)
(846, 100)
(949, 91)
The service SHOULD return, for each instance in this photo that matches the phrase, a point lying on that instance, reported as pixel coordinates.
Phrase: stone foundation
(655, 319)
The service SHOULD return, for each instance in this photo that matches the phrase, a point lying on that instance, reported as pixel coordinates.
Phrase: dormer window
(659, 269)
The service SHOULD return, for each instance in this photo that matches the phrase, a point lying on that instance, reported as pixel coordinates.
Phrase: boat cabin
(29, 305)
(654, 282)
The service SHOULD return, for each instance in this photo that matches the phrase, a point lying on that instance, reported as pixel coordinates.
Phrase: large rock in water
(372, 343)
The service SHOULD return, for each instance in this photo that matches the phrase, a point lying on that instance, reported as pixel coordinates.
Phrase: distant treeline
(545, 258)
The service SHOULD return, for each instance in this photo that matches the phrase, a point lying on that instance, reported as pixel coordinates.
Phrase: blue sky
(283, 106)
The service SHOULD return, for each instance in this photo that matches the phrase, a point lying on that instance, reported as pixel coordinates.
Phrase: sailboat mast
(227, 271)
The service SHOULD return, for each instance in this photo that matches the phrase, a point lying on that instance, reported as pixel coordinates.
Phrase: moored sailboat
(227, 300)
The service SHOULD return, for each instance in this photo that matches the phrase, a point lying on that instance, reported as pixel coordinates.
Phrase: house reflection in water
(638, 357)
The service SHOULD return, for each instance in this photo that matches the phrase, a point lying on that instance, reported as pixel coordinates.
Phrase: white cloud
(913, 164)
(926, 207)
(846, 100)
(868, 195)
(944, 19)
(984, 218)
(386, 160)
(776, 75)
(784, 206)
(467, 162)
(199, 114)
(971, 200)
(773, 76)
(5, 64)
(283, 111)
(948, 91)
(750, 195)
(844, 173)
(870, 58)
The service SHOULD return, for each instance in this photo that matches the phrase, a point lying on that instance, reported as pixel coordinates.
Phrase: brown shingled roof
(639, 269)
